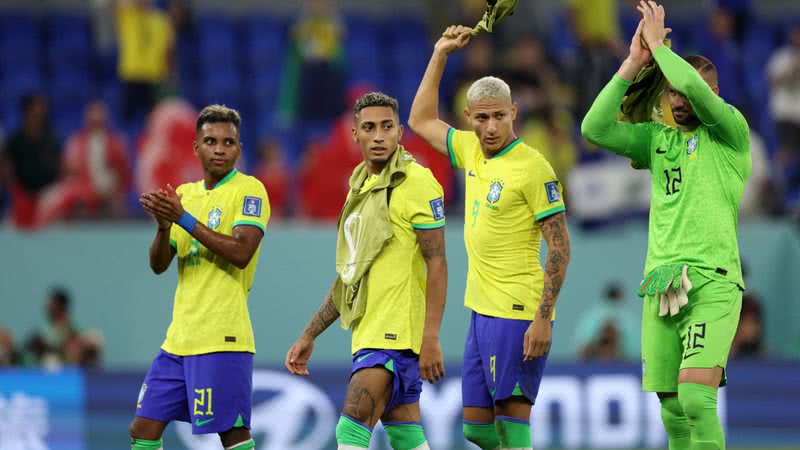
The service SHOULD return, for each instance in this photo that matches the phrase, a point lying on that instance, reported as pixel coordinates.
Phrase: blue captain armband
(187, 222)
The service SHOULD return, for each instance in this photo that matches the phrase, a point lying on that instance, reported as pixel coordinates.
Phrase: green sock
(144, 444)
(679, 433)
(404, 436)
(513, 432)
(484, 435)
(352, 432)
(246, 445)
(699, 402)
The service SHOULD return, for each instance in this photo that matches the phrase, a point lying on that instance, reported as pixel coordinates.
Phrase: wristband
(187, 222)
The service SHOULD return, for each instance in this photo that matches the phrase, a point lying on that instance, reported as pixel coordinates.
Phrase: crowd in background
(295, 82)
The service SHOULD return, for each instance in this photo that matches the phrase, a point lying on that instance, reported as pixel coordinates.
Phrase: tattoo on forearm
(555, 231)
(431, 243)
(325, 316)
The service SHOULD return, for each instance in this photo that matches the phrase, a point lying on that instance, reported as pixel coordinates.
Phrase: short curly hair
(218, 113)
(375, 99)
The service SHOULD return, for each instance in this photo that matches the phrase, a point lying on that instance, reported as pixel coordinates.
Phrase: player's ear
(466, 113)
(194, 146)
(355, 135)
(399, 131)
(715, 89)
(513, 111)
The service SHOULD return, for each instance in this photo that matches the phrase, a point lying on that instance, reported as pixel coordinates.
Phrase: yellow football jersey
(210, 310)
(504, 199)
(395, 315)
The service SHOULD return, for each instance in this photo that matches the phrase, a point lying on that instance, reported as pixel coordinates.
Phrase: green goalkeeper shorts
(699, 336)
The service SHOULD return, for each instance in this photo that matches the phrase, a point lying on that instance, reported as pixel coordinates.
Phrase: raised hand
(453, 38)
(652, 25)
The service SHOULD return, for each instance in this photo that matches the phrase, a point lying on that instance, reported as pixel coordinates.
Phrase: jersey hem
(258, 225)
(383, 346)
(206, 351)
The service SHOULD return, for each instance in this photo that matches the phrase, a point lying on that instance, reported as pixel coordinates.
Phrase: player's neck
(488, 154)
(211, 181)
(375, 168)
(689, 127)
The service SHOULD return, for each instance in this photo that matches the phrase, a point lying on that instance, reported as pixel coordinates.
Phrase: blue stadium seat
(20, 40)
(264, 43)
(223, 86)
(216, 44)
(68, 40)
(13, 86)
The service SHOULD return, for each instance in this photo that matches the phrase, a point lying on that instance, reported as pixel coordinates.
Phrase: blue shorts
(213, 391)
(404, 364)
(493, 362)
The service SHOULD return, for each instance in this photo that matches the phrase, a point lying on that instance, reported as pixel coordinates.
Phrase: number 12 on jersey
(673, 181)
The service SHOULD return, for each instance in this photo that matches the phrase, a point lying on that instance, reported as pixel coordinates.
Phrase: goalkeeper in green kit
(693, 284)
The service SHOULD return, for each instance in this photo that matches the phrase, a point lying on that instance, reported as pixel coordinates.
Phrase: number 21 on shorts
(203, 401)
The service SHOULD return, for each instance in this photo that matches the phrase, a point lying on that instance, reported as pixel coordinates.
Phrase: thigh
(404, 413)
(708, 328)
(219, 387)
(509, 375)
(162, 396)
(474, 388)
(661, 349)
(368, 394)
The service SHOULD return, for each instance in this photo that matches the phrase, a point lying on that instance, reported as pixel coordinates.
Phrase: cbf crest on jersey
(252, 207)
(691, 146)
(494, 191)
(214, 217)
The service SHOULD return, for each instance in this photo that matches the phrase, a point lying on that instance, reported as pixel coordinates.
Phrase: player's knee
(673, 416)
(484, 435)
(405, 436)
(698, 401)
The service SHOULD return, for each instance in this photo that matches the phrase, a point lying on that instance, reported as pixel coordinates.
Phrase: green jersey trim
(450, 132)
(224, 180)
(173, 244)
(549, 212)
(428, 226)
(253, 223)
(507, 148)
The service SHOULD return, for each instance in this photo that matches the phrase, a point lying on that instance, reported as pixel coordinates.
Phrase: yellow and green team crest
(494, 191)
(214, 217)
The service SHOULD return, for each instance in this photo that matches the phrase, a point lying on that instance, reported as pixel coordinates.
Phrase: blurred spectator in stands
(33, 154)
(550, 132)
(534, 77)
(5, 175)
(783, 71)
(48, 345)
(93, 344)
(477, 63)
(146, 44)
(96, 172)
(276, 176)
(608, 330)
(748, 341)
(718, 43)
(166, 150)
(761, 196)
(313, 77)
(598, 32)
(8, 354)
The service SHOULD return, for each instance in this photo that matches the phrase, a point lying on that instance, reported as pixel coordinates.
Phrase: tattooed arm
(431, 244)
(298, 355)
(554, 230)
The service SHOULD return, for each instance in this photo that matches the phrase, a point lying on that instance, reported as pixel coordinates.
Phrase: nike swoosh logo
(200, 423)
(362, 357)
(660, 152)
(690, 355)
(470, 173)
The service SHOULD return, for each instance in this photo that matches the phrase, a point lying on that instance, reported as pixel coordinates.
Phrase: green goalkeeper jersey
(697, 177)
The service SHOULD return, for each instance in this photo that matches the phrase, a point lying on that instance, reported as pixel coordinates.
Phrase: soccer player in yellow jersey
(512, 198)
(391, 285)
(204, 371)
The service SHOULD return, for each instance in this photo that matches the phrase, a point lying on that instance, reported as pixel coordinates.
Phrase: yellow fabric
(145, 36)
(210, 309)
(318, 38)
(395, 314)
(501, 229)
(595, 21)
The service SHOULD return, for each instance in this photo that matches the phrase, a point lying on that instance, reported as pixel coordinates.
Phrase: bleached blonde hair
(488, 88)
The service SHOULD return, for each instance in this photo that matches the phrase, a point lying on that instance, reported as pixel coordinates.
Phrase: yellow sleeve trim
(253, 223)
(428, 226)
(547, 213)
